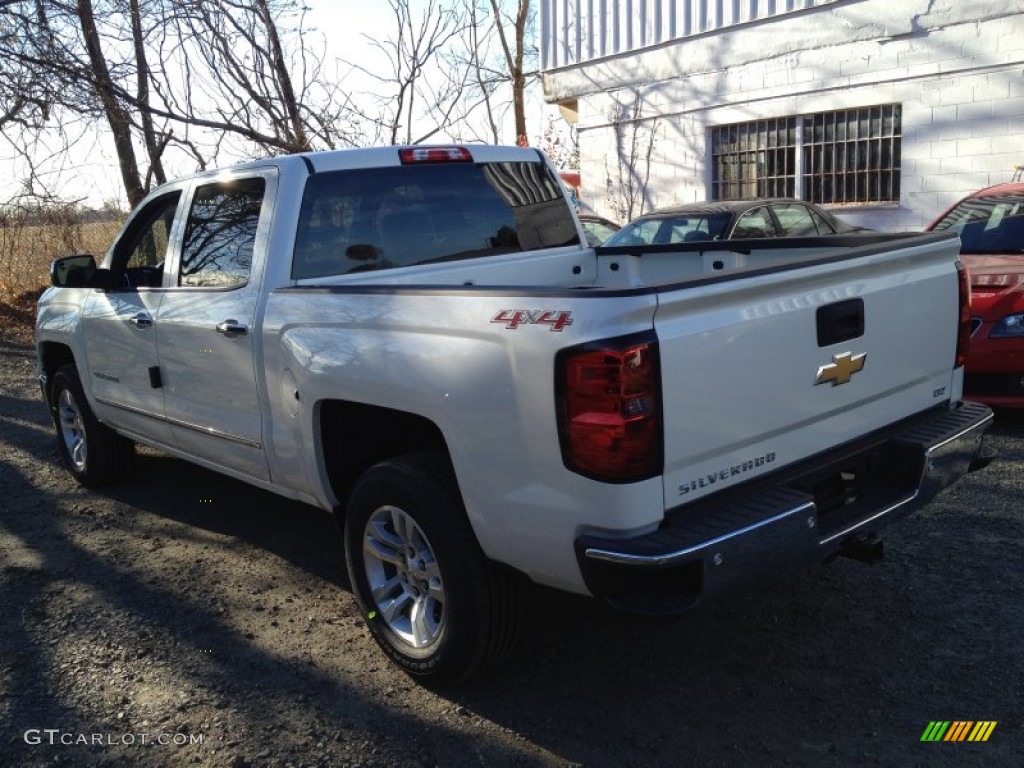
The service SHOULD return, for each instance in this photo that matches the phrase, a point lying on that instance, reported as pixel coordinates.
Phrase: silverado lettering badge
(513, 318)
(841, 369)
(725, 475)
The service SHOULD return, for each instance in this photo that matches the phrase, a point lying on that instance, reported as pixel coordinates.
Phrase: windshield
(663, 230)
(598, 231)
(991, 225)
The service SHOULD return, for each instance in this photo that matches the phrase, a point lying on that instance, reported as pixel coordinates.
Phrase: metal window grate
(853, 155)
(845, 156)
(756, 159)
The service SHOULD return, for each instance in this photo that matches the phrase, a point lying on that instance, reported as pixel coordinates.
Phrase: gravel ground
(183, 607)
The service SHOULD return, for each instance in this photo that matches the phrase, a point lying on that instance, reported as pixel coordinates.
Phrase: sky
(89, 171)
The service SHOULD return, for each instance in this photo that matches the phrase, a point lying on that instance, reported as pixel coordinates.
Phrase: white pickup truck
(419, 340)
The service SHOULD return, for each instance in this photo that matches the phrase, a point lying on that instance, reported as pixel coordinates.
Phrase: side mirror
(72, 271)
(79, 271)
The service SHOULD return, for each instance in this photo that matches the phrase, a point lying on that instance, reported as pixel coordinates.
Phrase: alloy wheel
(404, 577)
(72, 430)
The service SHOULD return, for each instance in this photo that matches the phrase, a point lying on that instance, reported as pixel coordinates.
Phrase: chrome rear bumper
(796, 516)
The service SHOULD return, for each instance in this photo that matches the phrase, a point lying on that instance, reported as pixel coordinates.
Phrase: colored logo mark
(959, 730)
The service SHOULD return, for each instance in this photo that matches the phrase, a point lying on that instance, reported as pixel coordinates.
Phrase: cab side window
(220, 234)
(139, 258)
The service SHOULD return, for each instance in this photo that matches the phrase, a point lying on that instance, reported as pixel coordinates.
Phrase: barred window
(852, 156)
(756, 159)
(845, 156)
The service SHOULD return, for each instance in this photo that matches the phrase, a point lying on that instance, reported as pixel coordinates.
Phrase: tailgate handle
(840, 322)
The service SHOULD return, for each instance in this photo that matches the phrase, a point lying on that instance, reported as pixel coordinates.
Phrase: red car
(990, 223)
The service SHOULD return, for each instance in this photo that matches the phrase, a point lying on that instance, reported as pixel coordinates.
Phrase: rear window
(799, 220)
(987, 224)
(382, 218)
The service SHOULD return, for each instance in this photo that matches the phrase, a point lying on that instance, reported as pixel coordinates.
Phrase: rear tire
(93, 452)
(433, 602)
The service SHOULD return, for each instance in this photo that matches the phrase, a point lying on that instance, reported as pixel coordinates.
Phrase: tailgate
(764, 369)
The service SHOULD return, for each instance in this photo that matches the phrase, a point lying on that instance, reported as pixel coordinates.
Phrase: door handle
(232, 328)
(141, 320)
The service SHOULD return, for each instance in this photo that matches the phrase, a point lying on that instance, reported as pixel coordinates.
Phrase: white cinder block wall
(955, 66)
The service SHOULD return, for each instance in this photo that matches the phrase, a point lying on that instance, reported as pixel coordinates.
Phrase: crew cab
(419, 340)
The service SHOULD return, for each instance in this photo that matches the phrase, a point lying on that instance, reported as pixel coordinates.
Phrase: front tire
(93, 452)
(433, 602)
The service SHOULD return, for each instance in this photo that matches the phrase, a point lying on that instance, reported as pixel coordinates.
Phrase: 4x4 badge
(841, 369)
(555, 319)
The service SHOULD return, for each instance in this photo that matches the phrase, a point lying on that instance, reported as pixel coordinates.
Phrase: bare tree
(118, 118)
(190, 75)
(154, 145)
(20, 86)
(244, 84)
(626, 183)
(483, 80)
(415, 96)
(560, 142)
(185, 81)
(451, 68)
(29, 95)
(502, 64)
(515, 56)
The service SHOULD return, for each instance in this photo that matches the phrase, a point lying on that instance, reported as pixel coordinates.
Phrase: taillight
(415, 155)
(963, 336)
(609, 408)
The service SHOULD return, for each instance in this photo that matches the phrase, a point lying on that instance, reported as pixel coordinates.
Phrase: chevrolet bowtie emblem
(841, 369)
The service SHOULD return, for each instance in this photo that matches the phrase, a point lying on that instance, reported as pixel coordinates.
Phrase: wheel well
(53, 356)
(355, 436)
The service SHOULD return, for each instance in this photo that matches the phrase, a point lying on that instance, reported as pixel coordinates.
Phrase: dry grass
(26, 250)
(28, 243)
